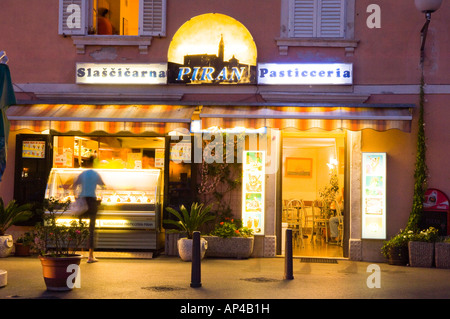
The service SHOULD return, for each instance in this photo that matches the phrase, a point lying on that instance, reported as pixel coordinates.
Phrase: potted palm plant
(9, 215)
(188, 222)
(57, 245)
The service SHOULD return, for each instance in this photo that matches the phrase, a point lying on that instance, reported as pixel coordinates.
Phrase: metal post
(196, 263)
(288, 260)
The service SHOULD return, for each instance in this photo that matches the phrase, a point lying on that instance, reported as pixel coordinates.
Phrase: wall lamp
(427, 7)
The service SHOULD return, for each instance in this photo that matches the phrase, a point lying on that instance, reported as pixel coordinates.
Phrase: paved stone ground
(163, 278)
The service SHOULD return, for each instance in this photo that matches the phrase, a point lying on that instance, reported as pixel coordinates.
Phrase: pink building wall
(386, 64)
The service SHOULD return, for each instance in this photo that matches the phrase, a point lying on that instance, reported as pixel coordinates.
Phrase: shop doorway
(312, 192)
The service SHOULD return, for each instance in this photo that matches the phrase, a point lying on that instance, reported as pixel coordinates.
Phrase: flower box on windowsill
(233, 247)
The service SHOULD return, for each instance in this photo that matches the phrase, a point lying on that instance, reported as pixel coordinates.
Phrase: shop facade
(174, 75)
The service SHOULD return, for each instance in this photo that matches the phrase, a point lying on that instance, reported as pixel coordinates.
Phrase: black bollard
(288, 262)
(196, 262)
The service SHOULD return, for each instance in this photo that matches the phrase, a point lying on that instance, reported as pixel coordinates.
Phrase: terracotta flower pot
(56, 272)
(398, 256)
(22, 250)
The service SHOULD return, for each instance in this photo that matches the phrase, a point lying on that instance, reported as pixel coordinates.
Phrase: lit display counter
(129, 215)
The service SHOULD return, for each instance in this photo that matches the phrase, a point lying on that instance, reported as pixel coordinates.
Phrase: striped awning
(136, 119)
(379, 117)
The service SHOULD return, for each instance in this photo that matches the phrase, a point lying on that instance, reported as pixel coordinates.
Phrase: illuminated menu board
(374, 195)
(253, 191)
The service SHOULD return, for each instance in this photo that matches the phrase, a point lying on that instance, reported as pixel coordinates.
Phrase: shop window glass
(109, 152)
(118, 17)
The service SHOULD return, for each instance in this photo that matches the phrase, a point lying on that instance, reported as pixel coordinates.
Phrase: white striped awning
(354, 118)
(64, 118)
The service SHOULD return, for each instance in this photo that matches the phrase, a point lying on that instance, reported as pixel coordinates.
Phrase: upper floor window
(316, 18)
(317, 23)
(112, 17)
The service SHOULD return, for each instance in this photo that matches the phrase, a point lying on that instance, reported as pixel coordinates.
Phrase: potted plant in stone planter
(442, 254)
(188, 222)
(57, 245)
(396, 248)
(230, 239)
(23, 245)
(421, 248)
(9, 215)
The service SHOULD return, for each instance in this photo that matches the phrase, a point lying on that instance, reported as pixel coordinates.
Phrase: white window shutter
(317, 18)
(302, 18)
(152, 17)
(72, 17)
(331, 24)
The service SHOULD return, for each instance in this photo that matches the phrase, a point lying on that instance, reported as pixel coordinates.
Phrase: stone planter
(3, 278)
(6, 244)
(185, 248)
(442, 255)
(234, 247)
(421, 254)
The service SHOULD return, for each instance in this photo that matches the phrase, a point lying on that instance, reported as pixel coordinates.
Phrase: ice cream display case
(129, 215)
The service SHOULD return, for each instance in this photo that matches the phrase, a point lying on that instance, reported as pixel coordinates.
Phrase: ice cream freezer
(129, 215)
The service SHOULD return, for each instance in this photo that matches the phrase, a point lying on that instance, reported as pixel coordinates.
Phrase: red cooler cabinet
(436, 211)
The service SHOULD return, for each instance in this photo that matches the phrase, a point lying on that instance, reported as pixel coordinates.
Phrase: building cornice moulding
(338, 94)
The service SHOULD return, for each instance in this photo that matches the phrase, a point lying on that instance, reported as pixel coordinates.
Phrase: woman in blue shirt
(88, 180)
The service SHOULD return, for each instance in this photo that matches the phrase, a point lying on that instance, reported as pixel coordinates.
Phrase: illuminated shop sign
(374, 195)
(223, 52)
(105, 73)
(305, 73)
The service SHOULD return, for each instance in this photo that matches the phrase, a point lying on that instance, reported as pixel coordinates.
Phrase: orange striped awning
(64, 118)
(354, 118)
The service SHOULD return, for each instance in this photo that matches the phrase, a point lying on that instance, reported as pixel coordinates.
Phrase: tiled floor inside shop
(317, 248)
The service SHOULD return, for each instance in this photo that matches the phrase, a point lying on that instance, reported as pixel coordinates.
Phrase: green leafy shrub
(231, 228)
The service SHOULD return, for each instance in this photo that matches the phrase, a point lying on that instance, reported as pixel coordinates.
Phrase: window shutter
(152, 17)
(72, 17)
(302, 18)
(331, 24)
(317, 18)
